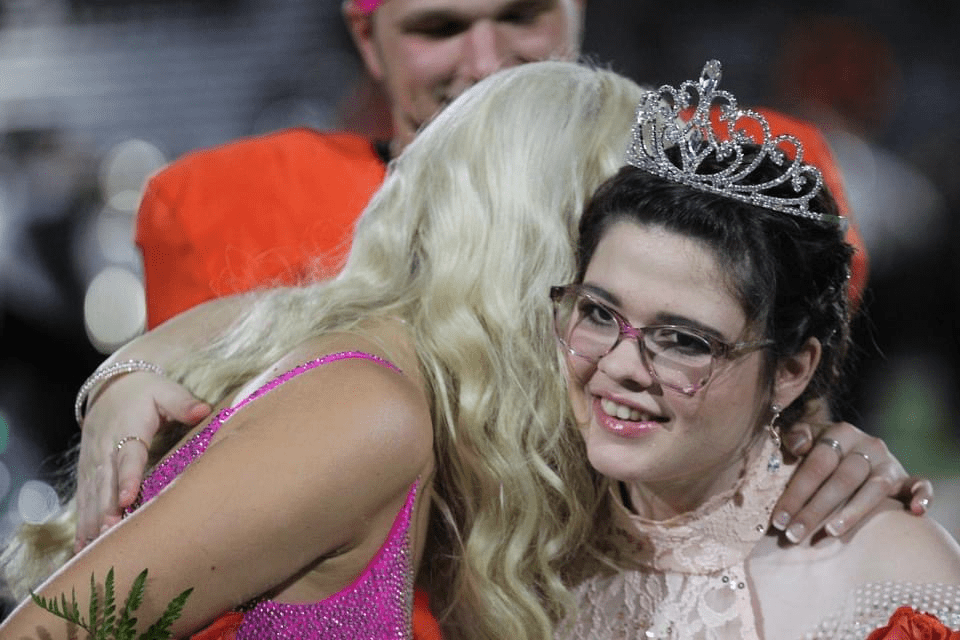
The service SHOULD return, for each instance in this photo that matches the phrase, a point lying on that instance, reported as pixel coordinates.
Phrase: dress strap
(173, 464)
(307, 366)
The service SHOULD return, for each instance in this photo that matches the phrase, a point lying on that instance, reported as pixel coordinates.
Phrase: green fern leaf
(68, 613)
(160, 630)
(94, 603)
(104, 624)
(109, 606)
(126, 625)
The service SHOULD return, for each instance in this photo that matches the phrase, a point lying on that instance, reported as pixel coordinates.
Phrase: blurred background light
(4, 437)
(124, 172)
(114, 309)
(37, 502)
(113, 231)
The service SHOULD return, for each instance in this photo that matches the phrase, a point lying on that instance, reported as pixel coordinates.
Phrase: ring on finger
(833, 444)
(862, 455)
(124, 440)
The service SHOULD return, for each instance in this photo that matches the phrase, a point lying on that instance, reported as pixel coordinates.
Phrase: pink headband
(367, 6)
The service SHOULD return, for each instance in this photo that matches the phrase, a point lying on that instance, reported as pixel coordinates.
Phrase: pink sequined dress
(691, 580)
(376, 606)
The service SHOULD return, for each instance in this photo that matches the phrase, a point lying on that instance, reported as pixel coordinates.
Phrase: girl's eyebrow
(661, 318)
(603, 294)
(683, 321)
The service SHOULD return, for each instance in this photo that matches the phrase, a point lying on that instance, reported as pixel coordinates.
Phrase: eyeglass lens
(677, 358)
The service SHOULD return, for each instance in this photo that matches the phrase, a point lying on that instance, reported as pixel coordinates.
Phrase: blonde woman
(418, 380)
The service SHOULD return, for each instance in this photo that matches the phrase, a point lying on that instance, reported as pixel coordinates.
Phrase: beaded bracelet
(102, 375)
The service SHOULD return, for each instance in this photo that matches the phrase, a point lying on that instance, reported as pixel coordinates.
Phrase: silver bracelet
(105, 373)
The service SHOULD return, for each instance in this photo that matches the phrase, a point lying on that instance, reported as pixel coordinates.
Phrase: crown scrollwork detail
(677, 129)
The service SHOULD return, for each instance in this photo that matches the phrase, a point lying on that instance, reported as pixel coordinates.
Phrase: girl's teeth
(620, 411)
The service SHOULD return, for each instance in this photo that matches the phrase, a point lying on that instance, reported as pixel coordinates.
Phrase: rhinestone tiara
(680, 118)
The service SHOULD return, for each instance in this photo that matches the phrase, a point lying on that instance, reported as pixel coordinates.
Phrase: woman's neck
(666, 499)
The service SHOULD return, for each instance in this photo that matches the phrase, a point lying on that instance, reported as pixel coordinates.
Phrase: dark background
(96, 94)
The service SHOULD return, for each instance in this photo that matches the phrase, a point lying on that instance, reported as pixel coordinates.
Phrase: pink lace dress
(691, 580)
(376, 606)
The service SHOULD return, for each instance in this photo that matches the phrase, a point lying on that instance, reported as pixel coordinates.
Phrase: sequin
(377, 605)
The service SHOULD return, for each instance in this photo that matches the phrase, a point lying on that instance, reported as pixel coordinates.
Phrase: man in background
(280, 208)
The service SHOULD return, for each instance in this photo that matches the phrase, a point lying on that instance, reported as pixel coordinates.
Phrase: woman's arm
(313, 468)
(138, 404)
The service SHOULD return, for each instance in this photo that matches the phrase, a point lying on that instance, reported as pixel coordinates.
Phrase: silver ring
(833, 444)
(127, 439)
(862, 455)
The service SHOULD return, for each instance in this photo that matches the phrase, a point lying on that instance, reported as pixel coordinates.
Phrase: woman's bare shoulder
(893, 544)
(384, 395)
(344, 440)
(353, 414)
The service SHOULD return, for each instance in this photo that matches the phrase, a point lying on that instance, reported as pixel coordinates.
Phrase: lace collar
(719, 534)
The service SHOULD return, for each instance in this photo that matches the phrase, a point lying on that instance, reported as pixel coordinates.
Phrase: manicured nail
(835, 527)
(795, 532)
(781, 520)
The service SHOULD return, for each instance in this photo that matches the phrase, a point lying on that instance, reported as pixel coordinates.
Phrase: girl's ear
(794, 372)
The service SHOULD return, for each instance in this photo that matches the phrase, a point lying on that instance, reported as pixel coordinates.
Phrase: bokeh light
(4, 435)
(125, 170)
(37, 502)
(114, 309)
(114, 236)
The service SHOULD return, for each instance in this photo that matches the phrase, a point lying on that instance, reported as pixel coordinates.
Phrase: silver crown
(663, 122)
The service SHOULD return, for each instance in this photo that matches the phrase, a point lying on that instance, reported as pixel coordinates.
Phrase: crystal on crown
(681, 118)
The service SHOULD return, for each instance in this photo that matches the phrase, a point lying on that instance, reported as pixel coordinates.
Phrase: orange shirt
(263, 211)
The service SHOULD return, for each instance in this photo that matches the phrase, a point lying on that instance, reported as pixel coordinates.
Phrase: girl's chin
(612, 464)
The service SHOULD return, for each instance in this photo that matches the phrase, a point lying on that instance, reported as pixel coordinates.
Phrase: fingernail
(795, 441)
(835, 527)
(795, 532)
(781, 520)
(923, 503)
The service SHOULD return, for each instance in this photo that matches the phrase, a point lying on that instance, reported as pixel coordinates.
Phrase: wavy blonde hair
(475, 221)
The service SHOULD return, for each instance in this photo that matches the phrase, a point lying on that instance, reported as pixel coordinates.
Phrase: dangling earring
(773, 464)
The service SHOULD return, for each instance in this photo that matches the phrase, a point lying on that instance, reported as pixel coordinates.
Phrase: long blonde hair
(473, 224)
